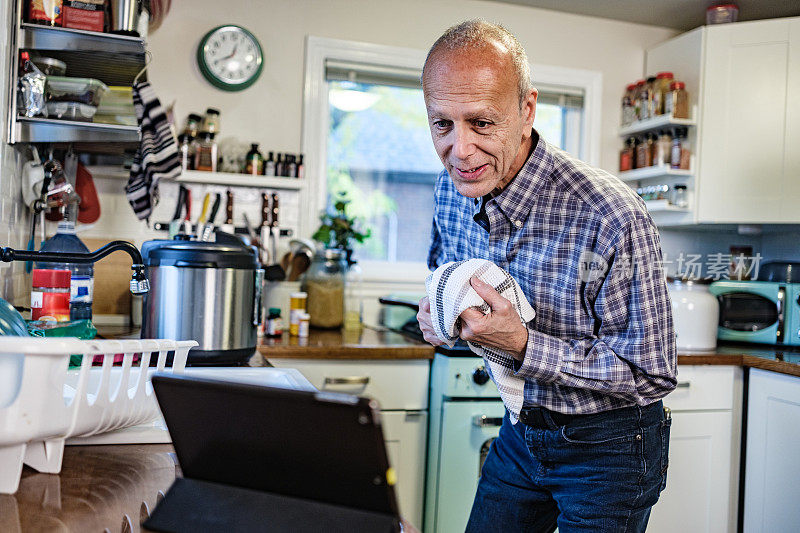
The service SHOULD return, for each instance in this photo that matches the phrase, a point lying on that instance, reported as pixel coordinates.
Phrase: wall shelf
(35, 36)
(659, 171)
(50, 130)
(227, 179)
(656, 123)
(661, 206)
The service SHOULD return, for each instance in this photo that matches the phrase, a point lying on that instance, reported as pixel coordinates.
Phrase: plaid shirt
(588, 257)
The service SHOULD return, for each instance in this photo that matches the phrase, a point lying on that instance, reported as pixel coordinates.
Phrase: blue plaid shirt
(588, 257)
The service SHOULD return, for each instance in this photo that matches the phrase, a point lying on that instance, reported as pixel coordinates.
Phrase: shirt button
(518, 223)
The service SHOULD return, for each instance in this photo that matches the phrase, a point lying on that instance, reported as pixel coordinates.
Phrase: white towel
(450, 294)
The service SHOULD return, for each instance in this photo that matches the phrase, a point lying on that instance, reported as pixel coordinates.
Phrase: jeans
(599, 473)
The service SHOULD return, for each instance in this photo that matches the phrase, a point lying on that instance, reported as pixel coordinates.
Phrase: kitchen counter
(369, 343)
(782, 360)
(99, 488)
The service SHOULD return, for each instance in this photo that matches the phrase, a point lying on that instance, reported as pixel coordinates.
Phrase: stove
(465, 417)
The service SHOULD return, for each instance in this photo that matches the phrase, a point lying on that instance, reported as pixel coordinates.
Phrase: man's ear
(529, 108)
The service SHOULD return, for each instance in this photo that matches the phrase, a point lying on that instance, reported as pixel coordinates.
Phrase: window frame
(315, 126)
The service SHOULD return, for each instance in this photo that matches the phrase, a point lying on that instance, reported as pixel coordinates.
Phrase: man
(588, 450)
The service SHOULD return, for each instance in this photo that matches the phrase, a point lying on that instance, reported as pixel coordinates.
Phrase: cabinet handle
(684, 384)
(350, 380)
(483, 421)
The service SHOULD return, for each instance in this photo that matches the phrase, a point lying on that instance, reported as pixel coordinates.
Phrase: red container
(84, 15)
(50, 295)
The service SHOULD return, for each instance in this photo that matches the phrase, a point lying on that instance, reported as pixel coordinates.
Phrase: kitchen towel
(157, 156)
(450, 294)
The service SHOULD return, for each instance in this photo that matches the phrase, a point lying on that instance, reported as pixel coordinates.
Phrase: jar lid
(630, 87)
(679, 187)
(198, 254)
(195, 117)
(662, 75)
(212, 111)
(688, 281)
(298, 295)
(331, 253)
(677, 85)
(640, 83)
(55, 279)
(275, 310)
(716, 7)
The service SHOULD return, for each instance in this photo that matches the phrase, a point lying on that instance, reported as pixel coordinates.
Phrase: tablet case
(258, 458)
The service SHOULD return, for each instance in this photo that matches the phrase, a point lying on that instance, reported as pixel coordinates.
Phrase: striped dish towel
(450, 294)
(157, 156)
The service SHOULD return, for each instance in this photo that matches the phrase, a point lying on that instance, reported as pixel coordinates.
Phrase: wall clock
(230, 57)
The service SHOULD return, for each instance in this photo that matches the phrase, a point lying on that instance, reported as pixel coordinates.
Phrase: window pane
(381, 155)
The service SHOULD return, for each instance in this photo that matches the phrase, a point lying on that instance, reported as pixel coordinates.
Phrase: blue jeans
(601, 473)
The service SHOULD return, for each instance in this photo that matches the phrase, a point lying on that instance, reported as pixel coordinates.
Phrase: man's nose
(463, 143)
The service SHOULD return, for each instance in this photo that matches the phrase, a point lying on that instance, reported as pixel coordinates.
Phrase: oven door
(467, 431)
(750, 311)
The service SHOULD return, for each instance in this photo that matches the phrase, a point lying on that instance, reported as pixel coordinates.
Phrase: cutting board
(112, 278)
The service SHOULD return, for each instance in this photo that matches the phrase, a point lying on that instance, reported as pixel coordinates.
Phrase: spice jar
(627, 155)
(644, 152)
(651, 91)
(661, 149)
(192, 127)
(644, 99)
(324, 283)
(206, 155)
(661, 89)
(297, 307)
(681, 153)
(676, 101)
(637, 100)
(211, 121)
(628, 109)
(186, 148)
(679, 196)
(50, 295)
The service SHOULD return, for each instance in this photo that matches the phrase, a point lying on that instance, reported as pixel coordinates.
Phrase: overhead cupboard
(743, 82)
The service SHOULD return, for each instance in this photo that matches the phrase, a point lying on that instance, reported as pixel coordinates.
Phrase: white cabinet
(744, 79)
(401, 388)
(703, 475)
(772, 467)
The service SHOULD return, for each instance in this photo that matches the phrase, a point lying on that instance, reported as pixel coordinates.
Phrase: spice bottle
(661, 89)
(628, 109)
(636, 97)
(297, 306)
(679, 196)
(662, 149)
(206, 155)
(676, 101)
(681, 153)
(279, 166)
(644, 99)
(50, 295)
(254, 161)
(644, 152)
(627, 155)
(269, 165)
(273, 326)
(211, 121)
(192, 127)
(186, 148)
(301, 168)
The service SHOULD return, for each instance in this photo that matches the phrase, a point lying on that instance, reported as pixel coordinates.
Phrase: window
(376, 148)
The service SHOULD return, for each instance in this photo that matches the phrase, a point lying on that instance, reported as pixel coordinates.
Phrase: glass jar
(662, 84)
(324, 283)
(676, 100)
(628, 109)
(680, 196)
(353, 305)
(662, 149)
(211, 121)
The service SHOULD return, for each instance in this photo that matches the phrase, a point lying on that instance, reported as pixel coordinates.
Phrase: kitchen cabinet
(401, 389)
(772, 469)
(743, 80)
(703, 476)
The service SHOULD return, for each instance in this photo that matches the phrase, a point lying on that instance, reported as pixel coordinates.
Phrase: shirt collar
(516, 200)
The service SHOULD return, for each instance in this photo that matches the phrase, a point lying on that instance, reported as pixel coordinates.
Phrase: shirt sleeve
(633, 354)
(435, 251)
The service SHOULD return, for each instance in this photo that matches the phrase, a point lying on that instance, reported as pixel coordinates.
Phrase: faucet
(139, 283)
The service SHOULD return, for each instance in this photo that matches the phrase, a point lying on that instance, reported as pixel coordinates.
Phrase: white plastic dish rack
(43, 402)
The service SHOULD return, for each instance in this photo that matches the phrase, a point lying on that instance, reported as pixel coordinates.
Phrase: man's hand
(501, 328)
(426, 324)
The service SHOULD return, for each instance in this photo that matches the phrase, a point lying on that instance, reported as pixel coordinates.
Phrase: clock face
(230, 57)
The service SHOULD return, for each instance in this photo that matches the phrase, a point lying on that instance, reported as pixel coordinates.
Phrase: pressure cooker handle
(259, 285)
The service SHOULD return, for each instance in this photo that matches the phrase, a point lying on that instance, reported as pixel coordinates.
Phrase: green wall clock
(230, 57)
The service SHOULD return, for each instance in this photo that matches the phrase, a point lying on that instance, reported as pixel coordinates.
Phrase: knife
(273, 227)
(215, 209)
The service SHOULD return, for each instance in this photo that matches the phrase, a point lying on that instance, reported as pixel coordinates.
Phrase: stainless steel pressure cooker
(209, 292)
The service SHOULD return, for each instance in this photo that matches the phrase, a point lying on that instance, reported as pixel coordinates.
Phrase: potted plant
(338, 230)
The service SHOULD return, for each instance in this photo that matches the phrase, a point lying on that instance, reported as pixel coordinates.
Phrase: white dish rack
(43, 402)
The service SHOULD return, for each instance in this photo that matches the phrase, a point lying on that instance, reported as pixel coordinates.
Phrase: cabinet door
(791, 165)
(404, 432)
(701, 493)
(772, 471)
(742, 148)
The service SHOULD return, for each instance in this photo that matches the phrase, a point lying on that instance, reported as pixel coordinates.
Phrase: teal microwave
(762, 312)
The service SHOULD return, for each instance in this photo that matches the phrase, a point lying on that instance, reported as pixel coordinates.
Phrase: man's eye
(482, 123)
(442, 124)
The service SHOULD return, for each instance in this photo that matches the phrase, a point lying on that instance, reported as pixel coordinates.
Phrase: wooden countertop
(783, 360)
(369, 343)
(99, 488)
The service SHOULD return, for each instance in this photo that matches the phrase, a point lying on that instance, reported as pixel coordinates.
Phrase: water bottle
(82, 282)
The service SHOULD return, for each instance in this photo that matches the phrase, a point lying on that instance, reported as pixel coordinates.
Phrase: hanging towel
(450, 294)
(157, 156)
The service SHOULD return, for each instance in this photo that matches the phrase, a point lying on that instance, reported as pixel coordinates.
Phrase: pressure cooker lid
(198, 254)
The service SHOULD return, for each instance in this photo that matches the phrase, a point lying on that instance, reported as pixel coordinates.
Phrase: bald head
(495, 41)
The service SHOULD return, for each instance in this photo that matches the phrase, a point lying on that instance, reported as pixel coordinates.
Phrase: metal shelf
(656, 123)
(659, 171)
(240, 180)
(50, 130)
(660, 206)
(35, 36)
